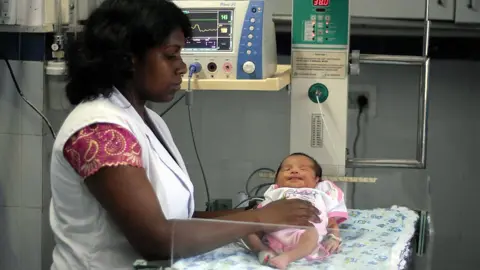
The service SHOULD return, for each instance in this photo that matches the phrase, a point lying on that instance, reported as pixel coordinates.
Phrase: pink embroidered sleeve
(102, 145)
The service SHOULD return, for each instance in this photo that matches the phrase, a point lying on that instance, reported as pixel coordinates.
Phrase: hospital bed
(381, 238)
(395, 237)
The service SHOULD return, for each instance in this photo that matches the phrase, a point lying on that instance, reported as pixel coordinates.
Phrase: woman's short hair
(115, 32)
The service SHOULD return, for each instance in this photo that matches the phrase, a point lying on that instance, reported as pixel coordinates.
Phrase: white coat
(85, 236)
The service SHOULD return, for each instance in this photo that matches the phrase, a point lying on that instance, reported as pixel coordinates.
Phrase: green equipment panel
(320, 22)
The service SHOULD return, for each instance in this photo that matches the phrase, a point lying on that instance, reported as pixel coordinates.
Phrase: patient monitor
(231, 39)
(320, 66)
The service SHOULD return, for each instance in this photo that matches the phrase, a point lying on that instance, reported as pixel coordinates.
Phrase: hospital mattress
(372, 239)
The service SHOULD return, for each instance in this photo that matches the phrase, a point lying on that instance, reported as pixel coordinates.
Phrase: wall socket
(353, 97)
(369, 91)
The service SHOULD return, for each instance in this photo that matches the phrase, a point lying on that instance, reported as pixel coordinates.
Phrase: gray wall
(23, 207)
(237, 132)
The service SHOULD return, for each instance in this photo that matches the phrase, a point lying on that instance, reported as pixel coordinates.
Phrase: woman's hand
(293, 212)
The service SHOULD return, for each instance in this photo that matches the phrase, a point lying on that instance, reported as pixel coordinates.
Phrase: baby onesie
(326, 197)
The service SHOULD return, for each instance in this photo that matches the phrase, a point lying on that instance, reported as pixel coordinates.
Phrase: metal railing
(422, 122)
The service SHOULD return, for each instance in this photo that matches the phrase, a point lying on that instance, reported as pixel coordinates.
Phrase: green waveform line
(196, 26)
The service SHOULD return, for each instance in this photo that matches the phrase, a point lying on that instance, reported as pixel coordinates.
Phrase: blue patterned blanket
(373, 239)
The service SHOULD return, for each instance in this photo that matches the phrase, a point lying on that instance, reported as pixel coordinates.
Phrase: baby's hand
(332, 245)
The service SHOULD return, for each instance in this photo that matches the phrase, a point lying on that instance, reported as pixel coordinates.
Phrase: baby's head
(298, 170)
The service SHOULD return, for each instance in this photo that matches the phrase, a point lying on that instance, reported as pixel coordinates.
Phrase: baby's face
(297, 172)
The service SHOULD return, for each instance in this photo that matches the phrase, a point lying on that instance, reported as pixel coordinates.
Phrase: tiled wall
(22, 207)
(24, 195)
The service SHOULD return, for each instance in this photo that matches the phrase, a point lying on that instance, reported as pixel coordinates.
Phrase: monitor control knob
(249, 67)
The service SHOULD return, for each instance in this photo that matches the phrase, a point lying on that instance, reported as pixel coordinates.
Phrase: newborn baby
(299, 177)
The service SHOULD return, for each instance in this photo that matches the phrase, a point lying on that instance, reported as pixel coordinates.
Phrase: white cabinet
(389, 9)
(467, 11)
(441, 10)
(402, 9)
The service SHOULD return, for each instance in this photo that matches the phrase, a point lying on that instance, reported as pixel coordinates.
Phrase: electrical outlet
(369, 91)
(353, 97)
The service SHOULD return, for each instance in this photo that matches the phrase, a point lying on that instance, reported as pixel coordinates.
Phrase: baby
(299, 177)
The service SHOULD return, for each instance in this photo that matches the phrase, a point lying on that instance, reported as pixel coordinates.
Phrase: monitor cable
(195, 68)
(362, 102)
(24, 98)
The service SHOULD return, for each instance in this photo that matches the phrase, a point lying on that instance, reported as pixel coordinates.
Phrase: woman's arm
(128, 197)
(216, 214)
(119, 183)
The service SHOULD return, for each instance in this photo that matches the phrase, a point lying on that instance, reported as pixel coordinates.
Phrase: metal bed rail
(422, 122)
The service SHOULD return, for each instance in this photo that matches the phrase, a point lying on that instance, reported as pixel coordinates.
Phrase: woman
(118, 180)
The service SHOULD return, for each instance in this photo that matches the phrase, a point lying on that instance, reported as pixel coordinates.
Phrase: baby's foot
(264, 257)
(281, 262)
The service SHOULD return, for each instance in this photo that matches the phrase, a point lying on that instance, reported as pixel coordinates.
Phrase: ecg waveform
(211, 30)
(197, 26)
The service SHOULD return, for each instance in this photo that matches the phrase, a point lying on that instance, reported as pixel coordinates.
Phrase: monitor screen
(211, 28)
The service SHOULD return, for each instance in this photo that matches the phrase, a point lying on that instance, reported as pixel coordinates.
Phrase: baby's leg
(255, 243)
(307, 243)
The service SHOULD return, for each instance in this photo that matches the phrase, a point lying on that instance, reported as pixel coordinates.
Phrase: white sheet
(373, 239)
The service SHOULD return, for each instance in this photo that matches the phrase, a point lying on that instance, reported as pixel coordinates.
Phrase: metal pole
(391, 59)
(424, 87)
(422, 123)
